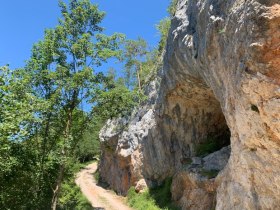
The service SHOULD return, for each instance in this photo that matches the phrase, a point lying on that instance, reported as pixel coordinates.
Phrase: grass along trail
(99, 197)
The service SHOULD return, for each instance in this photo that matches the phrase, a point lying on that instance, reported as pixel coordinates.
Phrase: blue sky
(23, 23)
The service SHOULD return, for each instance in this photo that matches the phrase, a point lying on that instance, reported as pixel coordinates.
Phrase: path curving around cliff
(99, 197)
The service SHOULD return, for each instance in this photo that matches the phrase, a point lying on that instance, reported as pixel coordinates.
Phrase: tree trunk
(62, 165)
(58, 187)
(139, 81)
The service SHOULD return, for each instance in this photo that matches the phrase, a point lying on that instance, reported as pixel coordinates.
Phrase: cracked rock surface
(221, 74)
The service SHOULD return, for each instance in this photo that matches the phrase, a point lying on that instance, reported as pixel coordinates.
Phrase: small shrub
(211, 145)
(140, 201)
(72, 198)
(83, 204)
(153, 199)
(221, 31)
(96, 176)
(209, 173)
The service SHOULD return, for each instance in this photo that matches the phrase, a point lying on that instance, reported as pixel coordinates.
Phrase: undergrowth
(96, 176)
(213, 144)
(72, 199)
(152, 199)
(210, 173)
(209, 146)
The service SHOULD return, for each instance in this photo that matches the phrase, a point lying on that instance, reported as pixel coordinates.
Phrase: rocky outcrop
(194, 186)
(221, 72)
(122, 142)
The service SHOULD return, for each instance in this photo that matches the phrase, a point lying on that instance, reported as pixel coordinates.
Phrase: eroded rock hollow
(220, 83)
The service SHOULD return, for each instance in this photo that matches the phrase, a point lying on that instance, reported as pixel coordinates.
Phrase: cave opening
(213, 143)
(199, 142)
(198, 128)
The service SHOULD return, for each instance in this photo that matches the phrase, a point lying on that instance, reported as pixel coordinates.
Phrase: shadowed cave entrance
(195, 123)
(199, 144)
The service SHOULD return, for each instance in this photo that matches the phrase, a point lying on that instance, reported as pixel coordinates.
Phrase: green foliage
(97, 176)
(162, 195)
(150, 67)
(88, 146)
(17, 105)
(18, 152)
(72, 198)
(213, 144)
(172, 7)
(209, 146)
(209, 173)
(134, 52)
(141, 201)
(62, 72)
(141, 63)
(152, 199)
(222, 31)
(163, 28)
(43, 128)
(19, 184)
(117, 102)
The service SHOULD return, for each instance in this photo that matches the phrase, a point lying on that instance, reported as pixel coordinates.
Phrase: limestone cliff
(221, 73)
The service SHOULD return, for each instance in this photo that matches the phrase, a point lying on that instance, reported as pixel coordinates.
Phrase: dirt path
(98, 196)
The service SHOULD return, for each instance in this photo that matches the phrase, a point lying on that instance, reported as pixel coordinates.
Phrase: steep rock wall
(233, 48)
(221, 71)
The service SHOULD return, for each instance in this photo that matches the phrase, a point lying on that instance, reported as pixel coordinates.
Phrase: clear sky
(23, 22)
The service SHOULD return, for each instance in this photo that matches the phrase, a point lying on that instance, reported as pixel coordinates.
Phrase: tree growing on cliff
(134, 52)
(163, 28)
(172, 7)
(141, 63)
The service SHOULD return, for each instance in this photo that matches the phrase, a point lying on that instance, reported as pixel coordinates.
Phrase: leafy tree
(163, 28)
(117, 102)
(88, 147)
(172, 7)
(18, 174)
(134, 52)
(141, 64)
(62, 70)
(17, 103)
(44, 130)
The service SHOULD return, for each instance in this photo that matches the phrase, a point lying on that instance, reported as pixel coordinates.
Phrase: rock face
(121, 144)
(221, 72)
(194, 186)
